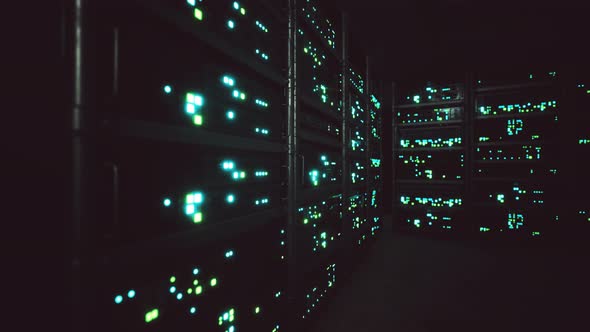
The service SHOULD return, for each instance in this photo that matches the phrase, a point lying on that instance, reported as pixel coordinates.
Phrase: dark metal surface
(292, 163)
(168, 133)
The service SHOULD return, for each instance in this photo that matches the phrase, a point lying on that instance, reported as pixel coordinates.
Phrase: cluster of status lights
(230, 167)
(322, 26)
(230, 82)
(357, 81)
(525, 152)
(524, 108)
(515, 220)
(356, 176)
(431, 219)
(192, 206)
(261, 103)
(262, 131)
(261, 54)
(430, 142)
(514, 127)
(430, 115)
(315, 176)
(320, 87)
(432, 202)
(435, 94)
(193, 105)
(261, 26)
(314, 297)
(420, 168)
(227, 318)
(177, 291)
(517, 192)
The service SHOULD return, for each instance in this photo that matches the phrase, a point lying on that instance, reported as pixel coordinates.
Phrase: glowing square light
(199, 100)
(190, 98)
(231, 115)
(151, 315)
(198, 217)
(230, 198)
(236, 94)
(190, 108)
(236, 175)
(198, 120)
(198, 198)
(198, 14)
(189, 209)
(242, 175)
(243, 96)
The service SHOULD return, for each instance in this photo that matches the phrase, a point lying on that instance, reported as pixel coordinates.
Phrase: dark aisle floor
(416, 284)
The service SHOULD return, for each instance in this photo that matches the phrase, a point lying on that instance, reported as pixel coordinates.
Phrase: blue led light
(131, 294)
(118, 299)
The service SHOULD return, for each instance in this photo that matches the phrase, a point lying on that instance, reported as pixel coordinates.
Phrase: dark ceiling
(423, 39)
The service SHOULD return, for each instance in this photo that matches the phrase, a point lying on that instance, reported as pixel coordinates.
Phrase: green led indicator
(151, 315)
(118, 299)
(236, 5)
(191, 2)
(257, 310)
(231, 24)
(167, 89)
(231, 115)
(213, 282)
(198, 218)
(131, 294)
(193, 310)
(198, 120)
(243, 11)
(198, 290)
(172, 279)
(198, 14)
(167, 202)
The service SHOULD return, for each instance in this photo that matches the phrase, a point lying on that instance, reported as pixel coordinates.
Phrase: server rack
(210, 177)
(524, 159)
(516, 154)
(429, 157)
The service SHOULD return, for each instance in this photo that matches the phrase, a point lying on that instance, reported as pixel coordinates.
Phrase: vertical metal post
(345, 134)
(78, 200)
(292, 165)
(393, 158)
(368, 139)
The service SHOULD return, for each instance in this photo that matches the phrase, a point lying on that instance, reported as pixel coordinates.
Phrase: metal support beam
(292, 171)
